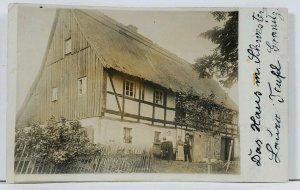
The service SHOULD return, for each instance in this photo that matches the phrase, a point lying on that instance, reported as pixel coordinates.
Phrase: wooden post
(33, 166)
(20, 159)
(123, 100)
(153, 107)
(28, 166)
(229, 155)
(24, 161)
(165, 108)
(103, 91)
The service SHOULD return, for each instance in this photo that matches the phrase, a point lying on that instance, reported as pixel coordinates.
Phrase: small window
(159, 97)
(157, 136)
(129, 88)
(127, 135)
(68, 46)
(54, 94)
(82, 86)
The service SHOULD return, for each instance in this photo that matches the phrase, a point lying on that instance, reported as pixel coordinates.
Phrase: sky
(176, 31)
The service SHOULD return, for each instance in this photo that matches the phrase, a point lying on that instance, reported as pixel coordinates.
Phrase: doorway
(225, 148)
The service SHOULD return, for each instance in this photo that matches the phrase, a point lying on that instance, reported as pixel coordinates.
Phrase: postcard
(147, 94)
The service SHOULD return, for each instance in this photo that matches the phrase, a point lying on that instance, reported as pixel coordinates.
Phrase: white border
(294, 23)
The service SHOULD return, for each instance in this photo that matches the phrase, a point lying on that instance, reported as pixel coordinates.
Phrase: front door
(225, 148)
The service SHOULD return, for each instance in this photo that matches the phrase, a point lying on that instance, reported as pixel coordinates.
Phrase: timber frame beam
(115, 93)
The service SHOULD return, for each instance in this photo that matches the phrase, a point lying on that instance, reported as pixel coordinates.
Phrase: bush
(61, 143)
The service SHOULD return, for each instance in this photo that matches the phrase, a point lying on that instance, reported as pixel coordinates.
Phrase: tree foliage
(201, 113)
(58, 142)
(223, 62)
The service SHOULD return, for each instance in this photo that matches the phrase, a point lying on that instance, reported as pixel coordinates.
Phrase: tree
(223, 62)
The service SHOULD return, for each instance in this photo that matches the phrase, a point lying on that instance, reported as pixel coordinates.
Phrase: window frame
(158, 136)
(68, 46)
(127, 139)
(82, 86)
(54, 94)
(129, 90)
(161, 95)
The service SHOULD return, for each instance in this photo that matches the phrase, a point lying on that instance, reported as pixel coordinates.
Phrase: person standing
(180, 152)
(165, 149)
(170, 150)
(171, 147)
(187, 149)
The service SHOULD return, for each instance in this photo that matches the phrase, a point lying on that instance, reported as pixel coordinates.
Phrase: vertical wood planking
(94, 84)
(62, 71)
(75, 77)
(99, 88)
(104, 89)
(139, 108)
(96, 80)
(88, 85)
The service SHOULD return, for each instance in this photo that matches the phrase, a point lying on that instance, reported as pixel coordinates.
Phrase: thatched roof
(126, 51)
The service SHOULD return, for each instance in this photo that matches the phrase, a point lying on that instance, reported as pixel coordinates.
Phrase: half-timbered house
(119, 84)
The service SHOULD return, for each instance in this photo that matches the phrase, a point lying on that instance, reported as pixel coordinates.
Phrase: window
(129, 88)
(82, 86)
(158, 97)
(156, 136)
(54, 94)
(127, 135)
(68, 46)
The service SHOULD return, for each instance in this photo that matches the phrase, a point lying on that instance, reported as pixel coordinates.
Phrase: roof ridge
(135, 35)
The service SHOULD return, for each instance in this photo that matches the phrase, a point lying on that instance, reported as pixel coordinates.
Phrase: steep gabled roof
(127, 51)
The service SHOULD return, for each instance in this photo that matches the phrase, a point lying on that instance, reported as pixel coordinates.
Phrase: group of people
(180, 152)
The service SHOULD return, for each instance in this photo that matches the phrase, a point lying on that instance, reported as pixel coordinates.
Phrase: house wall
(236, 153)
(62, 71)
(206, 146)
(110, 131)
(115, 83)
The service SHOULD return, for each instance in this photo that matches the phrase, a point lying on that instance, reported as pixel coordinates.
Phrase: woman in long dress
(180, 153)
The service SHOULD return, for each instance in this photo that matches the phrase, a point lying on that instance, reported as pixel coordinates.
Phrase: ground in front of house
(163, 166)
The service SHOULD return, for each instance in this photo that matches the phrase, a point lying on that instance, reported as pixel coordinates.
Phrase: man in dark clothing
(170, 150)
(167, 150)
(187, 149)
(164, 149)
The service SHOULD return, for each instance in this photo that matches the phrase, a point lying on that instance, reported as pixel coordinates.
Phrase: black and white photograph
(127, 91)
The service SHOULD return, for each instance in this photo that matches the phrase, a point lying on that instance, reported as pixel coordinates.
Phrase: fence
(109, 160)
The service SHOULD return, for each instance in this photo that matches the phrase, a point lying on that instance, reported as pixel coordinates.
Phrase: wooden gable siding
(62, 72)
(66, 28)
